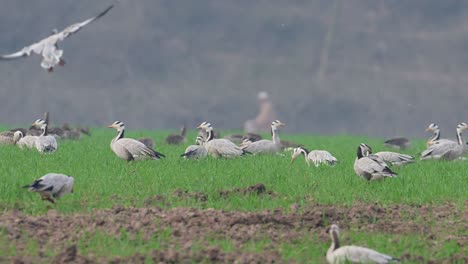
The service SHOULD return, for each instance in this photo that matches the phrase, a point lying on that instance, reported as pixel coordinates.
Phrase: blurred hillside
(375, 67)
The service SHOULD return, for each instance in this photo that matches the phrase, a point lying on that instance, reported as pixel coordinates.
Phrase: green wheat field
(103, 181)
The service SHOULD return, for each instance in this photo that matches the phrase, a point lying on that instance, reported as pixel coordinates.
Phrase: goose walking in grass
(48, 47)
(447, 149)
(52, 186)
(371, 167)
(10, 138)
(398, 143)
(219, 147)
(196, 151)
(337, 254)
(44, 143)
(392, 158)
(176, 139)
(128, 148)
(316, 156)
(265, 146)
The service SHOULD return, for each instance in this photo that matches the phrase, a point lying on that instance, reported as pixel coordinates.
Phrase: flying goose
(52, 185)
(219, 147)
(353, 254)
(267, 146)
(48, 47)
(397, 143)
(316, 156)
(44, 143)
(371, 167)
(10, 138)
(447, 149)
(196, 151)
(176, 139)
(389, 157)
(128, 148)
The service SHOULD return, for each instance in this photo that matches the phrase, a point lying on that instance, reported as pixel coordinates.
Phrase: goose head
(117, 125)
(363, 150)
(462, 126)
(334, 232)
(39, 123)
(205, 126)
(199, 141)
(246, 142)
(17, 136)
(275, 125)
(297, 152)
(432, 127)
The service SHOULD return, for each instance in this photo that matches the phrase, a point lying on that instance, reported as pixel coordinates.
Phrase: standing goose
(316, 156)
(447, 149)
(175, 139)
(52, 185)
(219, 147)
(389, 157)
(44, 143)
(10, 138)
(267, 146)
(371, 167)
(48, 47)
(196, 151)
(128, 148)
(353, 254)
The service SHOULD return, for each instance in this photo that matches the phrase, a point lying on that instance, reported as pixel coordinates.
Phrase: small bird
(52, 185)
(316, 156)
(128, 148)
(196, 151)
(392, 158)
(48, 47)
(353, 254)
(176, 139)
(370, 167)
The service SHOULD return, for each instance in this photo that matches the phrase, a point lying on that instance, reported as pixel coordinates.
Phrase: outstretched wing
(26, 51)
(77, 26)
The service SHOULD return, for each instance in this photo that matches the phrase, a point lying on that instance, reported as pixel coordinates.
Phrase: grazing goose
(316, 156)
(52, 185)
(10, 138)
(389, 157)
(196, 151)
(44, 143)
(175, 139)
(371, 167)
(128, 148)
(219, 147)
(265, 146)
(48, 47)
(397, 143)
(147, 141)
(447, 149)
(353, 254)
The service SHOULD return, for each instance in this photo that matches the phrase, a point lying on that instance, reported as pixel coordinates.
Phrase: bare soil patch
(191, 226)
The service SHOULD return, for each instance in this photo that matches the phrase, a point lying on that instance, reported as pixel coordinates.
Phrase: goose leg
(62, 62)
(50, 70)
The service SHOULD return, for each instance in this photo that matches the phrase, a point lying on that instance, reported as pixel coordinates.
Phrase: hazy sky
(389, 67)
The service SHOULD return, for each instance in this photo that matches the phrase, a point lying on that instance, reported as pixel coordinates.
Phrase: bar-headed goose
(447, 149)
(398, 143)
(265, 146)
(128, 148)
(52, 185)
(44, 143)
(10, 138)
(219, 147)
(353, 254)
(316, 156)
(389, 157)
(371, 167)
(48, 47)
(196, 151)
(176, 139)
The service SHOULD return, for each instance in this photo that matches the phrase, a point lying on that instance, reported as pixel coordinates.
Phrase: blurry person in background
(265, 116)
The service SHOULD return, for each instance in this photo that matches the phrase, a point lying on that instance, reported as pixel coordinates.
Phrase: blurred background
(369, 67)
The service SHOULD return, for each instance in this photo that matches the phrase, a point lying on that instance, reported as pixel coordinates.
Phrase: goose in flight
(48, 47)
(370, 167)
(128, 148)
(52, 185)
(353, 254)
(316, 156)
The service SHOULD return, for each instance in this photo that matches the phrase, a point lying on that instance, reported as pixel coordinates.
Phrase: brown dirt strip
(189, 226)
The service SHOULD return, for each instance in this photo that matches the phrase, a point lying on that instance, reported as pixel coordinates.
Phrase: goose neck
(359, 152)
(209, 135)
(275, 136)
(44, 130)
(459, 137)
(120, 134)
(435, 136)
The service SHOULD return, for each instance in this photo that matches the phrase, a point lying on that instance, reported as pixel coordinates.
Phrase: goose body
(316, 156)
(175, 139)
(52, 185)
(10, 138)
(27, 142)
(392, 158)
(44, 143)
(353, 254)
(371, 167)
(196, 151)
(128, 148)
(48, 48)
(398, 143)
(219, 147)
(447, 149)
(147, 141)
(265, 146)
